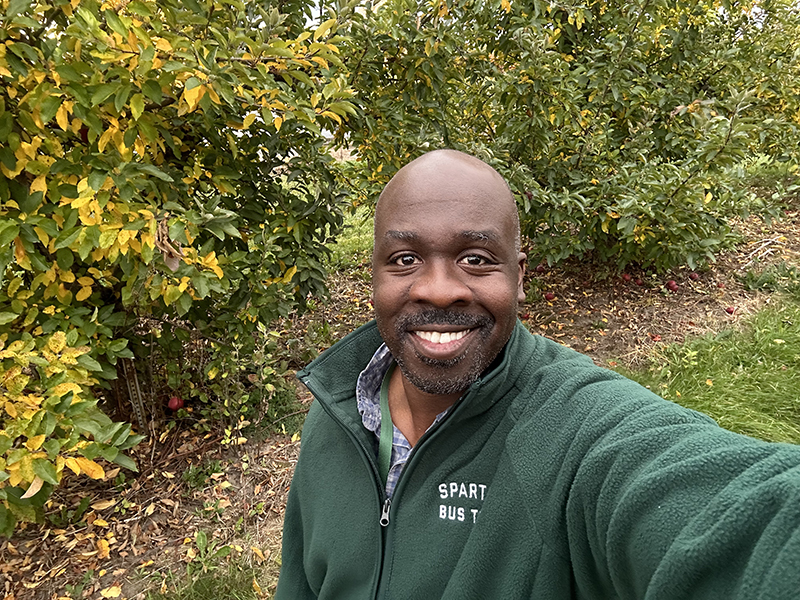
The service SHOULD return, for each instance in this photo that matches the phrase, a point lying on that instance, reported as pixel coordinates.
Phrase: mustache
(438, 316)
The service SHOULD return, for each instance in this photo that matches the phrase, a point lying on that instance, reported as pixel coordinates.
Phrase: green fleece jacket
(550, 479)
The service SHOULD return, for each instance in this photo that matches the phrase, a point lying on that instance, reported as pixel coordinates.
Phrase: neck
(413, 411)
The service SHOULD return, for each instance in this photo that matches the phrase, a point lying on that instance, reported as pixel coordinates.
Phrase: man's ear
(522, 260)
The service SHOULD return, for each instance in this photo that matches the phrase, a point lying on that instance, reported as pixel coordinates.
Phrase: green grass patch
(232, 581)
(353, 246)
(748, 380)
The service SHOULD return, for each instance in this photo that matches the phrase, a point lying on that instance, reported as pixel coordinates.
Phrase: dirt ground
(141, 535)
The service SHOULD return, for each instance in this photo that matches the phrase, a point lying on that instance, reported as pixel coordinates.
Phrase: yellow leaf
(103, 504)
(289, 274)
(331, 115)
(103, 552)
(192, 97)
(323, 29)
(248, 120)
(213, 95)
(505, 5)
(62, 116)
(73, 465)
(42, 235)
(111, 592)
(107, 136)
(258, 553)
(64, 388)
(90, 468)
(100, 523)
(709, 382)
(56, 344)
(163, 45)
(85, 280)
(35, 442)
(277, 122)
(20, 254)
(83, 294)
(39, 184)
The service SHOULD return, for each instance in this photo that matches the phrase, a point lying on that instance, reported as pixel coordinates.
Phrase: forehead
(450, 200)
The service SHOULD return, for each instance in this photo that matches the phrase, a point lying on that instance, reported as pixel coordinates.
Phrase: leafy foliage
(622, 127)
(159, 160)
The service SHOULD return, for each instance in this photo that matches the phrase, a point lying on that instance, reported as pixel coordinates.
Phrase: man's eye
(405, 260)
(473, 260)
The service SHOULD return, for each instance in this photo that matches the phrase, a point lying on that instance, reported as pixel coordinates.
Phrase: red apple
(730, 310)
(175, 403)
(549, 296)
(694, 276)
(540, 268)
(626, 277)
(720, 285)
(672, 286)
(638, 281)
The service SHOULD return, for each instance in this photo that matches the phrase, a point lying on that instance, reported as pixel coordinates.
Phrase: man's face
(447, 277)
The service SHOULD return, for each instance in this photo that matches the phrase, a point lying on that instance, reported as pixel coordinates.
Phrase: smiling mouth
(443, 337)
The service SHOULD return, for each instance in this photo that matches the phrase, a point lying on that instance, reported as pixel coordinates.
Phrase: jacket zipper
(383, 500)
(386, 503)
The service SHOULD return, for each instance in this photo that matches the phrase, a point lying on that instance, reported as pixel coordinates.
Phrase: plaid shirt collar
(368, 399)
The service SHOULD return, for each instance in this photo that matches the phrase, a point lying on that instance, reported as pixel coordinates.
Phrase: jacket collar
(332, 376)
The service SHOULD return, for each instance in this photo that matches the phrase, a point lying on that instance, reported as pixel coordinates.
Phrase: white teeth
(442, 338)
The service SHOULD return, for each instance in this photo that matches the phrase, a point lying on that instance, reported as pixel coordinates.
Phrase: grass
(748, 380)
(234, 580)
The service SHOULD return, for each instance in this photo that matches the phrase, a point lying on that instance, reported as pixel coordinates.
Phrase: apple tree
(162, 171)
(626, 129)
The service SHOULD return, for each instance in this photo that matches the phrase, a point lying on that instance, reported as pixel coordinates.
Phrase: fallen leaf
(111, 592)
(102, 549)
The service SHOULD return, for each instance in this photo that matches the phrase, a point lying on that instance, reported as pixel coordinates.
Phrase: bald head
(449, 175)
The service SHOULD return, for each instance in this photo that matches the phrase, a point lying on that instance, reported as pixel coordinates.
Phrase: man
(515, 468)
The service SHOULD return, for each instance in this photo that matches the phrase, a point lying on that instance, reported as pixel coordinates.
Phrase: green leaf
(17, 7)
(46, 470)
(152, 90)
(7, 520)
(7, 317)
(323, 29)
(89, 363)
(48, 108)
(184, 304)
(8, 231)
(66, 237)
(103, 92)
(115, 23)
(126, 462)
(155, 172)
(137, 106)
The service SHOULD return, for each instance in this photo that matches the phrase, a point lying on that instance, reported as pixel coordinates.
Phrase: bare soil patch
(140, 534)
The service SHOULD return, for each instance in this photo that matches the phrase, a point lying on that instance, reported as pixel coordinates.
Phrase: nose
(441, 285)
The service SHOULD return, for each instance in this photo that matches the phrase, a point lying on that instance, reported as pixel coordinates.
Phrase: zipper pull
(385, 512)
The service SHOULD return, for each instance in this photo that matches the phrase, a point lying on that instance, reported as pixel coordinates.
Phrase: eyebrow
(467, 234)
